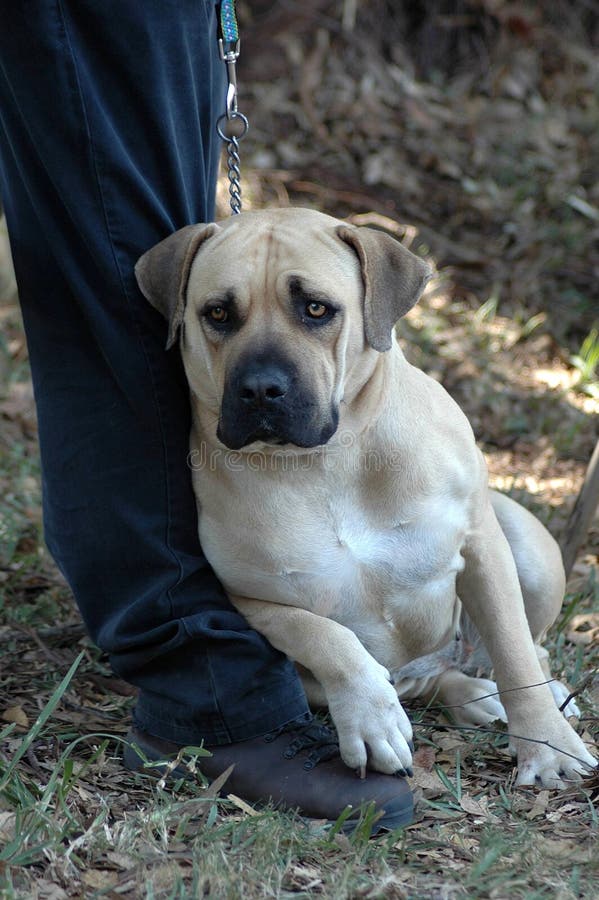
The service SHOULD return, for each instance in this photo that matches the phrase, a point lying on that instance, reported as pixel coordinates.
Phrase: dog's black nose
(263, 387)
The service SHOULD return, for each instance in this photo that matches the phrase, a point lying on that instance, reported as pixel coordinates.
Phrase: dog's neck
(368, 388)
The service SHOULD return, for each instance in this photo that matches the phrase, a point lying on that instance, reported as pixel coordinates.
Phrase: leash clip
(229, 50)
(229, 53)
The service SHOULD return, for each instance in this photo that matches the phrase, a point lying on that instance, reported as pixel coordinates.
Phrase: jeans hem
(216, 731)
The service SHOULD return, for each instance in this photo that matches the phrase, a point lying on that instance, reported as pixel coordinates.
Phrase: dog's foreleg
(372, 726)
(490, 592)
(542, 580)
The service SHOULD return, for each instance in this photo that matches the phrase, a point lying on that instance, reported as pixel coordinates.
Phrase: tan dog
(342, 499)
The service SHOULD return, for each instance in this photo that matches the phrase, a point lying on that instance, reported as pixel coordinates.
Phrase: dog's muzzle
(263, 401)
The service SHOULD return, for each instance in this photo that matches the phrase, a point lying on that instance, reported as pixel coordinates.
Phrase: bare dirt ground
(470, 131)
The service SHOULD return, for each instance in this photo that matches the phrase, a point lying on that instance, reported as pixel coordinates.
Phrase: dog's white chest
(409, 551)
(388, 577)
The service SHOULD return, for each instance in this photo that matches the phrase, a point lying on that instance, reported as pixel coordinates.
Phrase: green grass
(587, 363)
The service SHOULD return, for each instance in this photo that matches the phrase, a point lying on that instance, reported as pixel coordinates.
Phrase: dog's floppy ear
(393, 279)
(163, 272)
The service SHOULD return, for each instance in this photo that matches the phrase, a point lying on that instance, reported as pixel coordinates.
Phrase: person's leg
(107, 145)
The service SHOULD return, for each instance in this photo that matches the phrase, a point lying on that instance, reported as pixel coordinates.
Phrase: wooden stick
(583, 512)
(70, 631)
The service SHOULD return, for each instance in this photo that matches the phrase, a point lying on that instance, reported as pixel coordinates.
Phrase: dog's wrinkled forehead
(260, 254)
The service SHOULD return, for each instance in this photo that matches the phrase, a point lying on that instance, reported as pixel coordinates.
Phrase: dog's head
(276, 310)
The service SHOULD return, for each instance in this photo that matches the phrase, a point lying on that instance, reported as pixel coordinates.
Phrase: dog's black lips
(267, 433)
(279, 434)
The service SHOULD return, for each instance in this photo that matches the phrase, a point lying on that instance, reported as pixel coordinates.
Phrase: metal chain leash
(232, 126)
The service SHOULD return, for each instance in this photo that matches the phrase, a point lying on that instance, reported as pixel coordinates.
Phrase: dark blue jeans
(107, 145)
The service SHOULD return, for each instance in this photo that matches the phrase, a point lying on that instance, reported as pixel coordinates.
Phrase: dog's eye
(218, 314)
(316, 310)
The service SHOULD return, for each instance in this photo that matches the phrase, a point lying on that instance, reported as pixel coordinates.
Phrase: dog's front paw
(555, 757)
(373, 729)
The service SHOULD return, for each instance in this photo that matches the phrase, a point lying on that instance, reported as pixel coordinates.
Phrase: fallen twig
(69, 631)
(586, 682)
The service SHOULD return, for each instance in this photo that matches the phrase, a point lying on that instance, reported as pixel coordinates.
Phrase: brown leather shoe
(297, 767)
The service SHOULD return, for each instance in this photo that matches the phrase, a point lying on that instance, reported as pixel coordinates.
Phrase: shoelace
(321, 740)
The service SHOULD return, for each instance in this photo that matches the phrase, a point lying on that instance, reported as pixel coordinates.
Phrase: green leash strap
(229, 31)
